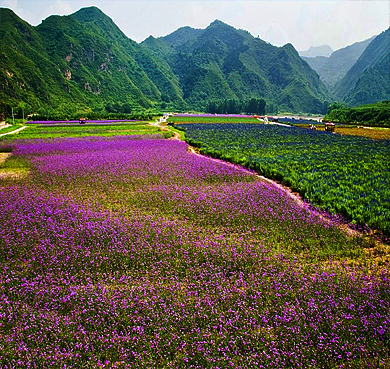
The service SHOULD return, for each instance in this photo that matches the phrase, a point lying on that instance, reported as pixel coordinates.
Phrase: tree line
(235, 106)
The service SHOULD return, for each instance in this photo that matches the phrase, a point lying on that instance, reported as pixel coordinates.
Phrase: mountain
(368, 81)
(79, 62)
(333, 68)
(83, 62)
(182, 35)
(222, 62)
(314, 51)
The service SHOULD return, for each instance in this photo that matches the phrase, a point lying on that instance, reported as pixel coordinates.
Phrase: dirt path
(4, 125)
(12, 132)
(176, 136)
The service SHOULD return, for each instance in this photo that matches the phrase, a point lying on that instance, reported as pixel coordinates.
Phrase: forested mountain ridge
(368, 81)
(221, 61)
(79, 62)
(317, 51)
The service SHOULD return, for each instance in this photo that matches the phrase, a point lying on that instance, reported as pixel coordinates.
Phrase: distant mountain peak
(217, 22)
(314, 51)
(182, 35)
(89, 14)
(289, 46)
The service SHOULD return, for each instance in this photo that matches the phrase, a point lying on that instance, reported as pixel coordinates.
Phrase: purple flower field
(50, 122)
(131, 252)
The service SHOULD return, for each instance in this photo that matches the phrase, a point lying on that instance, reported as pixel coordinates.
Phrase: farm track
(4, 125)
(12, 132)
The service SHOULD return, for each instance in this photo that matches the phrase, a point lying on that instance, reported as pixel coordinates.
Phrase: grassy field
(216, 119)
(131, 252)
(10, 129)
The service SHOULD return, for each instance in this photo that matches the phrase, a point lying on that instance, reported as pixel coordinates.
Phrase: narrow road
(12, 132)
(4, 125)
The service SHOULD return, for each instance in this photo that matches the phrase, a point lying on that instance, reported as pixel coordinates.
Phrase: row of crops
(348, 175)
(48, 131)
(212, 119)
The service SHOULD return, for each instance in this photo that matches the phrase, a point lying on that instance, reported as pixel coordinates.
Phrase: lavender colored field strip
(131, 252)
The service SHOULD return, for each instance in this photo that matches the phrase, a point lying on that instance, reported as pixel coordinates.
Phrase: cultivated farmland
(133, 252)
(208, 118)
(342, 174)
(46, 130)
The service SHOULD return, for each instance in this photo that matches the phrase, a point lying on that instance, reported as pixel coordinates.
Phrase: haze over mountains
(317, 51)
(333, 68)
(84, 62)
(368, 80)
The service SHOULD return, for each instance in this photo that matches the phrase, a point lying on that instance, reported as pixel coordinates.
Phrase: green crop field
(10, 129)
(39, 131)
(208, 119)
(347, 175)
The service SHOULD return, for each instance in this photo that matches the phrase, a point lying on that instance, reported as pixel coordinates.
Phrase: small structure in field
(329, 127)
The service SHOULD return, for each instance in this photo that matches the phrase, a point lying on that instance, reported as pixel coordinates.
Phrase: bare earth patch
(4, 156)
(10, 174)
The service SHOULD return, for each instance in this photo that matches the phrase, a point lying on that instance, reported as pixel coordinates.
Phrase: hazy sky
(303, 23)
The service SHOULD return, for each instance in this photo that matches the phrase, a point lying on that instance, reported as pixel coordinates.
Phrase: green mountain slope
(368, 81)
(26, 72)
(333, 68)
(223, 62)
(79, 62)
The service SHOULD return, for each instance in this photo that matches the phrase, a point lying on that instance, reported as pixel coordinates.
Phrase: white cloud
(60, 7)
(14, 5)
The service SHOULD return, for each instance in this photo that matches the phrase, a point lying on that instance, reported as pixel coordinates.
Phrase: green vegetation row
(347, 175)
(50, 115)
(216, 119)
(366, 115)
(35, 131)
